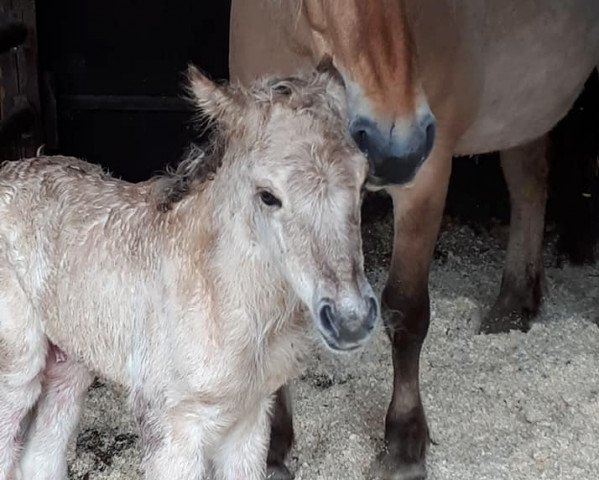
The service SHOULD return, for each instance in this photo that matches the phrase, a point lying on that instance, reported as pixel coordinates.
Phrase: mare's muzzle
(394, 157)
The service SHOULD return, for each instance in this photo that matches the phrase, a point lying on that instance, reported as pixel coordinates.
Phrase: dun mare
(193, 289)
(469, 77)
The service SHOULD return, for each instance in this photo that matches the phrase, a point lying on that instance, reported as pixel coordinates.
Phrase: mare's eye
(269, 199)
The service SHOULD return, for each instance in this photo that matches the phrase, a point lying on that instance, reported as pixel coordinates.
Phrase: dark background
(114, 70)
(94, 51)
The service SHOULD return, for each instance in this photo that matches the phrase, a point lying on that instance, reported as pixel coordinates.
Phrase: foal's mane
(199, 164)
(302, 93)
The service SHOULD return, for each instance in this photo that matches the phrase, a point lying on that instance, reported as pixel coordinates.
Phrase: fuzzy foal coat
(183, 304)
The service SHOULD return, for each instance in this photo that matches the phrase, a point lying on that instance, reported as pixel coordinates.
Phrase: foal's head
(295, 179)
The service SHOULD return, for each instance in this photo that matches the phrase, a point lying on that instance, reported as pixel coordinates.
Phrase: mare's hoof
(389, 468)
(404, 455)
(505, 319)
(278, 472)
(515, 306)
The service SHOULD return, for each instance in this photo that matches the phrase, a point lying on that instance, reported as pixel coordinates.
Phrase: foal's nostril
(327, 318)
(373, 310)
(348, 324)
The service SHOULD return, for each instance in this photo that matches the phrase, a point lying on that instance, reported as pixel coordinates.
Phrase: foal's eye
(269, 199)
(282, 89)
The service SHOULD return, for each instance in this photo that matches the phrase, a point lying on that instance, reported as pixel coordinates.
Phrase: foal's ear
(327, 66)
(217, 102)
(335, 85)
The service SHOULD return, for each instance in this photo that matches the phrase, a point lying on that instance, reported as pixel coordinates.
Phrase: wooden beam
(120, 103)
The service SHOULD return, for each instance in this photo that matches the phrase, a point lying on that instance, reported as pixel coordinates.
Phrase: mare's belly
(532, 65)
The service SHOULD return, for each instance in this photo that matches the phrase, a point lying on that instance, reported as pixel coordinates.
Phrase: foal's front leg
(242, 453)
(178, 457)
(173, 442)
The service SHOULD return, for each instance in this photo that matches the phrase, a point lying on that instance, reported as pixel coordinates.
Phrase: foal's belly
(529, 61)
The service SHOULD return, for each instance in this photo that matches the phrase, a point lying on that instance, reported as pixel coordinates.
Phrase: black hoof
(504, 320)
(278, 472)
(517, 304)
(388, 468)
(407, 442)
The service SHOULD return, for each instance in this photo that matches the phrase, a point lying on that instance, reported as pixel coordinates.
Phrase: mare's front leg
(242, 453)
(525, 170)
(281, 436)
(418, 210)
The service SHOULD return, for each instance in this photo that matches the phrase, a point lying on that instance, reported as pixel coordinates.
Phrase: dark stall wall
(20, 121)
(113, 70)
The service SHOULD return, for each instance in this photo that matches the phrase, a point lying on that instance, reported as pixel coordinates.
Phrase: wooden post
(19, 88)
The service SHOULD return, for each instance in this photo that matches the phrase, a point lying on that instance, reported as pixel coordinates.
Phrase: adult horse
(497, 75)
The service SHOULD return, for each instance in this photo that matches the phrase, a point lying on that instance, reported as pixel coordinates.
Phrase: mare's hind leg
(525, 170)
(56, 415)
(22, 358)
(418, 210)
(281, 436)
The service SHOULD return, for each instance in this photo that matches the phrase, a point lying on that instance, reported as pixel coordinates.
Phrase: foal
(194, 289)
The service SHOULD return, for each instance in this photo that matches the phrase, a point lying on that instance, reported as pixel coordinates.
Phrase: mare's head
(389, 117)
(294, 181)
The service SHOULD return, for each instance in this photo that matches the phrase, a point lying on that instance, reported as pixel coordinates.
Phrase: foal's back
(68, 240)
(60, 193)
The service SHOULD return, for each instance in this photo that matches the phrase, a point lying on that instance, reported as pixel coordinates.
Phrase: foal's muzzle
(347, 327)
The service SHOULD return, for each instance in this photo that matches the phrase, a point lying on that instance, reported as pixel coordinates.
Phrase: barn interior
(102, 81)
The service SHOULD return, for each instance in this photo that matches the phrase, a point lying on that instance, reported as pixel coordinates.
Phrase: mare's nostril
(361, 139)
(327, 318)
(431, 131)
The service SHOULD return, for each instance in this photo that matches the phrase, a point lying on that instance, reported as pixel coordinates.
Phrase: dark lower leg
(406, 430)
(418, 212)
(281, 436)
(525, 171)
